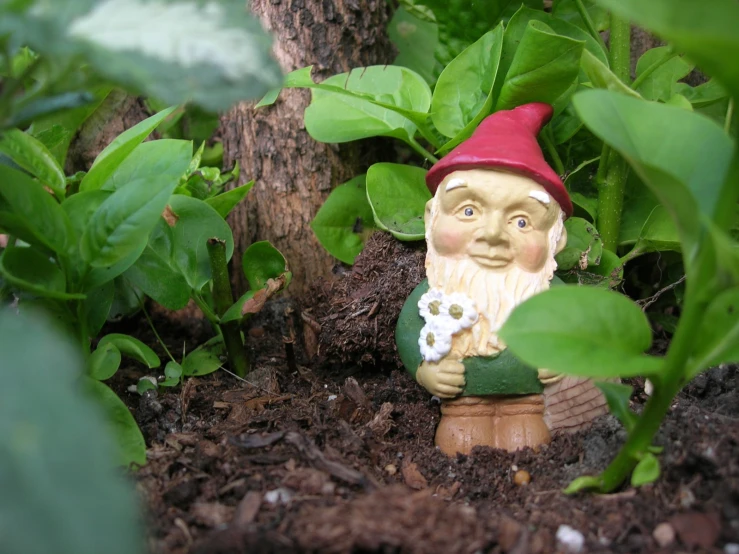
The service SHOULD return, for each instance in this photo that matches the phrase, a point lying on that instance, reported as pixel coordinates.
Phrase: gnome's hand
(548, 377)
(444, 379)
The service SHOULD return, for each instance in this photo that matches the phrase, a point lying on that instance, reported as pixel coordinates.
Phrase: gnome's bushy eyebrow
(455, 183)
(541, 196)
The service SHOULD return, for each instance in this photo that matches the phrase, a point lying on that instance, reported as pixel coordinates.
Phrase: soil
(301, 459)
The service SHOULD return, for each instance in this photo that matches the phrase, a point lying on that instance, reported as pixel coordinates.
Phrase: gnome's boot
(507, 422)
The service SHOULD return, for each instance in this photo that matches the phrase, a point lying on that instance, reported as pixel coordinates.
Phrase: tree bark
(294, 174)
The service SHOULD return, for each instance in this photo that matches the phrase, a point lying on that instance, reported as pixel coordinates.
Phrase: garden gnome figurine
(493, 227)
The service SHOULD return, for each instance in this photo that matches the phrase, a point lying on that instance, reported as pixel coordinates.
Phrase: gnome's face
(494, 218)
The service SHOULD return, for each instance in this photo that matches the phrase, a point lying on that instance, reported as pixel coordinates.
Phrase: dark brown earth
(306, 460)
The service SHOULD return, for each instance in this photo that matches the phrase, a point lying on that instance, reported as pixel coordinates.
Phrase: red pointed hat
(506, 140)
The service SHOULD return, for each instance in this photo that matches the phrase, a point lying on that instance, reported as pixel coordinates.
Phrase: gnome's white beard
(495, 293)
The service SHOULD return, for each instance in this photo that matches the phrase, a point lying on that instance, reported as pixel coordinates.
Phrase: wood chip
(247, 509)
(257, 441)
(412, 476)
(382, 423)
(697, 529)
(317, 459)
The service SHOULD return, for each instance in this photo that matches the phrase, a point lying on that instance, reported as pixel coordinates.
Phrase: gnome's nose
(494, 230)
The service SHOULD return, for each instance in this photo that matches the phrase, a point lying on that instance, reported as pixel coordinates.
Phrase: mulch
(300, 459)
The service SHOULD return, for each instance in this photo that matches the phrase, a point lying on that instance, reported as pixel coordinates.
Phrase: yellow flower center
(434, 307)
(430, 339)
(456, 311)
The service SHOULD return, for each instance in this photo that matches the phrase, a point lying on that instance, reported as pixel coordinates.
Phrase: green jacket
(484, 375)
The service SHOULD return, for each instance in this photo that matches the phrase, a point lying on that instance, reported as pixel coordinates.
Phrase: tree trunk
(294, 174)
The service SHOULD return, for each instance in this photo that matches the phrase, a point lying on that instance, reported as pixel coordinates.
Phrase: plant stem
(611, 201)
(589, 23)
(669, 383)
(546, 137)
(652, 68)
(422, 151)
(209, 314)
(613, 171)
(151, 324)
(729, 116)
(223, 299)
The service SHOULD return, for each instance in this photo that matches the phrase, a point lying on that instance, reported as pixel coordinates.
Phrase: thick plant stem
(669, 383)
(223, 299)
(613, 170)
(611, 201)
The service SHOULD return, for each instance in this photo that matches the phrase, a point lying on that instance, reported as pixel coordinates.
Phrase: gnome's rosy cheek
(532, 256)
(449, 242)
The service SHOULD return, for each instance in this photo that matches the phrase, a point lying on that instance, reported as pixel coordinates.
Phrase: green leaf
(345, 221)
(704, 31)
(30, 154)
(544, 67)
(144, 384)
(140, 45)
(227, 201)
(465, 85)
(205, 359)
(155, 275)
(30, 213)
(646, 471)
(262, 262)
(158, 160)
(703, 95)
(31, 271)
(133, 348)
(663, 83)
(461, 22)
(234, 313)
(682, 156)
(584, 247)
(603, 78)
(104, 362)
(173, 374)
(132, 448)
(517, 26)
(582, 331)
(97, 307)
(567, 11)
(586, 482)
(659, 233)
(335, 116)
(639, 203)
(66, 122)
(196, 223)
(718, 337)
(416, 41)
(398, 196)
(117, 151)
(123, 221)
(618, 396)
(56, 451)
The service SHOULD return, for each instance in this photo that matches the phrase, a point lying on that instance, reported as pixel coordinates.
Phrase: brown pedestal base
(507, 422)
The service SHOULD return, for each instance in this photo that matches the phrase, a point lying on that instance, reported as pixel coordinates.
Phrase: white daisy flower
(430, 304)
(461, 310)
(435, 340)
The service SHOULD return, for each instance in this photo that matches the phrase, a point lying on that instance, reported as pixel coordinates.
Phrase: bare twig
(646, 302)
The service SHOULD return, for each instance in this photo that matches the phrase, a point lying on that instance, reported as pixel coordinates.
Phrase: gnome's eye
(521, 223)
(469, 212)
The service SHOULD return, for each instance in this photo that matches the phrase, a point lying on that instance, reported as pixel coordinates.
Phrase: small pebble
(522, 478)
(648, 388)
(332, 397)
(569, 539)
(664, 534)
(731, 548)
(390, 469)
(278, 496)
